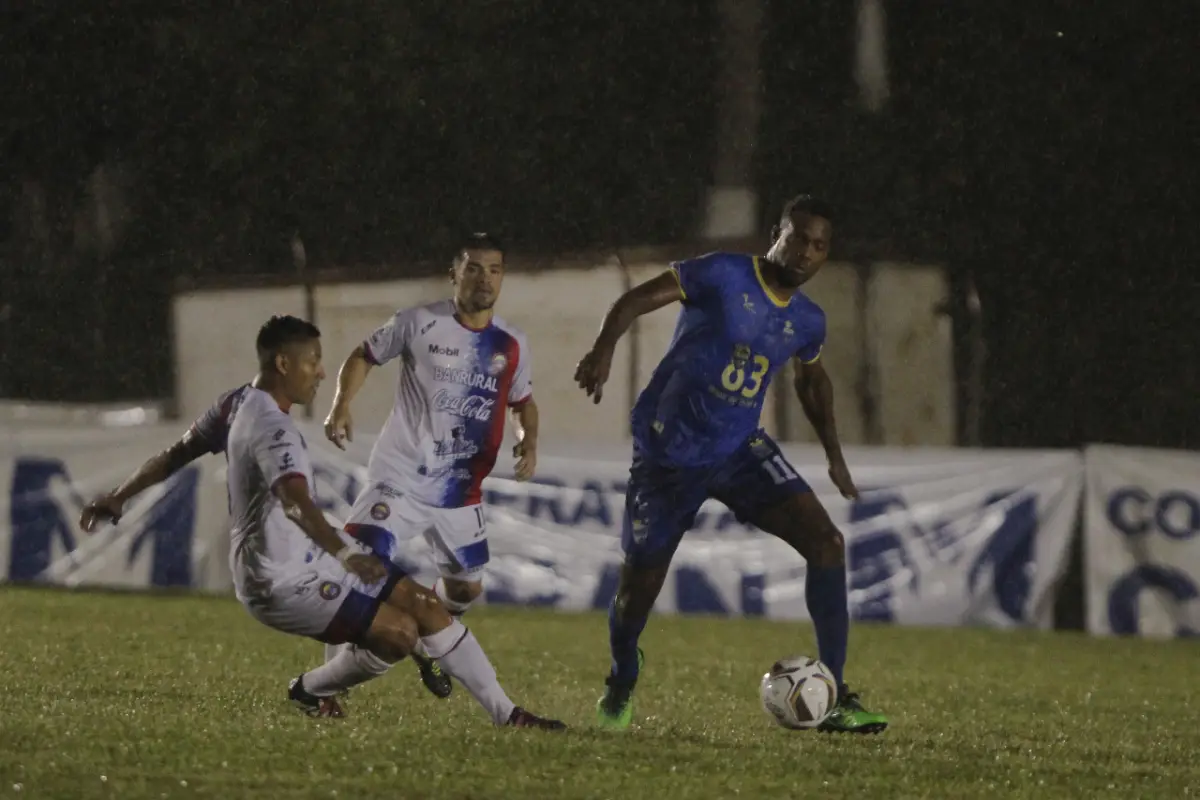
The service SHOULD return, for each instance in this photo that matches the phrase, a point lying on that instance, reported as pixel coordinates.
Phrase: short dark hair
(280, 331)
(478, 241)
(806, 204)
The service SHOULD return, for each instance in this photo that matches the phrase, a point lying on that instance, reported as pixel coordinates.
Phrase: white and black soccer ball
(799, 692)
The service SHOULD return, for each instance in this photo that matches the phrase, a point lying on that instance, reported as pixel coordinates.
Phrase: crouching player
(292, 571)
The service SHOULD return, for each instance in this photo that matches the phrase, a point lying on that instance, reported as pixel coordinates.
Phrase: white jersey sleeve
(212, 427)
(521, 390)
(280, 453)
(391, 339)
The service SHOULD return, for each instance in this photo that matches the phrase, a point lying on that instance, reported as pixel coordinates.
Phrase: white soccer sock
(453, 606)
(331, 651)
(459, 653)
(350, 667)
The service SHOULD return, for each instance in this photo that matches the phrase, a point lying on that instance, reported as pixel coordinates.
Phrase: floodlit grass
(131, 696)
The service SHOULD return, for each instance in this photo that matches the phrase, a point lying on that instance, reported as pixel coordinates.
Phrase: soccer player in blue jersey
(696, 435)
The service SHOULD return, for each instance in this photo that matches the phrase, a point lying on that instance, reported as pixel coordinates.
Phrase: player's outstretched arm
(292, 491)
(154, 471)
(592, 370)
(815, 391)
(339, 424)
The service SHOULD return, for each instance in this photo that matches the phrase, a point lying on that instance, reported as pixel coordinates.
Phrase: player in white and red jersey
(462, 371)
(292, 571)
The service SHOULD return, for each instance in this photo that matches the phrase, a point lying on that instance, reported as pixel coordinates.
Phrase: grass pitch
(130, 696)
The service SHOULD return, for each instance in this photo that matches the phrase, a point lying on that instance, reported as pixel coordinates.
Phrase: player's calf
(393, 635)
(627, 616)
(448, 641)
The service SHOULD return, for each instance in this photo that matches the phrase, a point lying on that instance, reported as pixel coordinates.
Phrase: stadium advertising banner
(939, 537)
(1142, 541)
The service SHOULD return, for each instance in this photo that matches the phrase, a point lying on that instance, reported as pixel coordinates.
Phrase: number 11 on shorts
(779, 469)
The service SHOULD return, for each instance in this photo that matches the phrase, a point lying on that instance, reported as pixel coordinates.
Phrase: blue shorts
(661, 502)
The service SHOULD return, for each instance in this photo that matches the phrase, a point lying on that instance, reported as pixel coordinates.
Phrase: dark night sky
(1060, 170)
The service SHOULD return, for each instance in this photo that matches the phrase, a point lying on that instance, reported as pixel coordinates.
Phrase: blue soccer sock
(623, 634)
(828, 605)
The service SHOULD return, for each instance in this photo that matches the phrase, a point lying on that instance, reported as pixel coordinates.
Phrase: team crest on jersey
(787, 328)
(741, 354)
(329, 590)
(746, 304)
(498, 363)
(380, 512)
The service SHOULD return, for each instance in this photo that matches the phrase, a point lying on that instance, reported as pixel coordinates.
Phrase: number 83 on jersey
(745, 372)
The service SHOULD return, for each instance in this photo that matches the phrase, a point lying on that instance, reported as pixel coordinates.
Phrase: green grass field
(128, 696)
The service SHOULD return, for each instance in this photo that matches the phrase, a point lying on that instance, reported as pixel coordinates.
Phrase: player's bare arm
(351, 377)
(592, 370)
(156, 469)
(525, 423)
(300, 508)
(815, 391)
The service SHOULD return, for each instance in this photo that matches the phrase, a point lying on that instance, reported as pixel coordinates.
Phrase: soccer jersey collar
(774, 298)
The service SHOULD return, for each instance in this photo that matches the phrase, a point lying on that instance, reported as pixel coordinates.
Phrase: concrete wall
(888, 339)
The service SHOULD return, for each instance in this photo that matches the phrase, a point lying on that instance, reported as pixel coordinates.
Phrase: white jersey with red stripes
(455, 386)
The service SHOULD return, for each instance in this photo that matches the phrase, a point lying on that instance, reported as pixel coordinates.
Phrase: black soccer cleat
(434, 677)
(520, 718)
(310, 704)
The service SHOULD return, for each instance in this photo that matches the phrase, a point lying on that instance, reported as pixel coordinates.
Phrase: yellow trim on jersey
(815, 358)
(674, 270)
(767, 289)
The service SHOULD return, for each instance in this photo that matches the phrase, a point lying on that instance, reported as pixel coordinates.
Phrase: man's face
(802, 247)
(477, 277)
(302, 371)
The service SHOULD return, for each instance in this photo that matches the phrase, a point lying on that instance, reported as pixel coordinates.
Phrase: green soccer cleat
(436, 681)
(614, 711)
(850, 717)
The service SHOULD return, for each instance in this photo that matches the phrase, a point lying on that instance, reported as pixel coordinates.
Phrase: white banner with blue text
(1142, 541)
(938, 537)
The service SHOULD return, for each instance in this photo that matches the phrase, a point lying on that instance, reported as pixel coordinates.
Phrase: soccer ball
(799, 692)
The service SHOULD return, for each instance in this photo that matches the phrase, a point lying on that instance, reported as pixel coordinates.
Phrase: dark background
(1058, 170)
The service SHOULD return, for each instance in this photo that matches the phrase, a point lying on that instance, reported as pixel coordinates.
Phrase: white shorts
(321, 599)
(383, 516)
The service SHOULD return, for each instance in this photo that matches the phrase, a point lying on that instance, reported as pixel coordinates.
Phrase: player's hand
(339, 426)
(105, 508)
(839, 473)
(367, 567)
(592, 372)
(526, 455)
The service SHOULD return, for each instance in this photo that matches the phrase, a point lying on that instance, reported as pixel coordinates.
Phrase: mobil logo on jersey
(152, 544)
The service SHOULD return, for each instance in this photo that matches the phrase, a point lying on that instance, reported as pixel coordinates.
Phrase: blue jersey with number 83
(705, 398)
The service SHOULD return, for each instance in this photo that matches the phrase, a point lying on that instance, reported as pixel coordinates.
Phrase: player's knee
(393, 636)
(828, 546)
(421, 604)
(459, 592)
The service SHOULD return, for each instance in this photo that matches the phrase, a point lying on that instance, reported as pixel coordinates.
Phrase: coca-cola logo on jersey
(469, 407)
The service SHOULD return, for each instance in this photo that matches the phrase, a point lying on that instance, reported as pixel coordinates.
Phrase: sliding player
(292, 570)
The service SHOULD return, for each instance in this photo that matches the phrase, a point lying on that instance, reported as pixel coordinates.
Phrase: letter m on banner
(42, 510)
